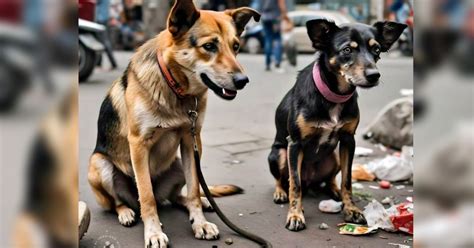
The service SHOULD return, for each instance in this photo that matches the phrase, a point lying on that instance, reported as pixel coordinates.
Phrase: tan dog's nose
(240, 80)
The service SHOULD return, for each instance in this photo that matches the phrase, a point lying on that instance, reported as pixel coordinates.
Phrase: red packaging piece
(403, 221)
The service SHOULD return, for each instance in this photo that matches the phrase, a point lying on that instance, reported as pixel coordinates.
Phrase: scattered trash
(374, 187)
(410, 199)
(403, 218)
(357, 186)
(282, 206)
(229, 241)
(377, 216)
(361, 173)
(355, 229)
(241, 214)
(381, 147)
(400, 186)
(406, 92)
(387, 200)
(252, 213)
(400, 245)
(382, 237)
(385, 184)
(393, 126)
(362, 151)
(362, 195)
(392, 168)
(330, 206)
(323, 226)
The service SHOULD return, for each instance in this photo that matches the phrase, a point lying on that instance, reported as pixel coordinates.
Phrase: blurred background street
(237, 136)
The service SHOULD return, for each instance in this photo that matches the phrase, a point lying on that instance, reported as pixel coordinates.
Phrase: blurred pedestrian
(155, 13)
(273, 12)
(102, 17)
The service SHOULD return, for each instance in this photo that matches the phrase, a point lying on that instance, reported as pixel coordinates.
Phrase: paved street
(236, 138)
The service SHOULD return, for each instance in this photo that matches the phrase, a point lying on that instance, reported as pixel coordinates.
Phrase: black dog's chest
(322, 143)
(325, 138)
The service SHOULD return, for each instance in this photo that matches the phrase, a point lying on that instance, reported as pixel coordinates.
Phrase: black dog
(321, 110)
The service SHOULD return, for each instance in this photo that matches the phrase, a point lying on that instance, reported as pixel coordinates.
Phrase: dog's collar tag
(324, 89)
(175, 86)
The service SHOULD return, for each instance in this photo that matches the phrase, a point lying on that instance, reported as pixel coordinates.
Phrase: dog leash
(193, 115)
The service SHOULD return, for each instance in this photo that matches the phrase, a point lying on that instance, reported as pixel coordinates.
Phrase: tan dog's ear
(182, 17)
(241, 17)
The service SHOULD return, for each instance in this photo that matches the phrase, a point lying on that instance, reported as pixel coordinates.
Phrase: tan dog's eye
(210, 47)
(236, 47)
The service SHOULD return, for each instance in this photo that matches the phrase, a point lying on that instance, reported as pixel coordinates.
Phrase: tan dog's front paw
(205, 230)
(157, 240)
(354, 215)
(295, 221)
(126, 216)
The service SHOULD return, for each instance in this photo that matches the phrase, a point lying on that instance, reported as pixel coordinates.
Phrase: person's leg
(268, 33)
(278, 46)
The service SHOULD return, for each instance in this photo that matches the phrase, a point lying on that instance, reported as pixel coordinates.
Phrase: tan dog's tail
(224, 190)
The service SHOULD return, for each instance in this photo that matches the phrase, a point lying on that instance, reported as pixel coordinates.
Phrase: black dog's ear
(388, 33)
(182, 17)
(241, 17)
(320, 31)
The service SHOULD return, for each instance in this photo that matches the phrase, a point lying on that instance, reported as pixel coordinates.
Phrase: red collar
(324, 89)
(172, 83)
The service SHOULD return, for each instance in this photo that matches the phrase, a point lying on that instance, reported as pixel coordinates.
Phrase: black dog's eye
(376, 50)
(236, 47)
(347, 50)
(210, 47)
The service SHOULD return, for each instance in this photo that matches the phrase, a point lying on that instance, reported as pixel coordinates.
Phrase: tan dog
(144, 118)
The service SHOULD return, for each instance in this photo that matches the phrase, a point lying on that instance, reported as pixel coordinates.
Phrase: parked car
(253, 38)
(299, 19)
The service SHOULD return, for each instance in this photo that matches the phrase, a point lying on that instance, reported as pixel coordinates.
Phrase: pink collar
(324, 89)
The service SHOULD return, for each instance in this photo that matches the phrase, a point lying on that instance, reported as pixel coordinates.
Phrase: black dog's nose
(240, 80)
(372, 75)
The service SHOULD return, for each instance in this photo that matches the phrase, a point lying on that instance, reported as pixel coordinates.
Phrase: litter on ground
(355, 229)
(330, 206)
(361, 173)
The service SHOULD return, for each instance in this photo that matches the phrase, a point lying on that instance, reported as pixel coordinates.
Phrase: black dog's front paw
(295, 222)
(280, 196)
(354, 215)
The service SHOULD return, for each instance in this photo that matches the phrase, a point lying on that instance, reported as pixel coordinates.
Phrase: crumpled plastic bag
(377, 216)
(360, 173)
(330, 206)
(393, 126)
(393, 168)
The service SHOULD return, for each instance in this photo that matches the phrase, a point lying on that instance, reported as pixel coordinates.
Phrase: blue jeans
(273, 44)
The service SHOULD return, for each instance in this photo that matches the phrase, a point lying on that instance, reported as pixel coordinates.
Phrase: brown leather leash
(193, 115)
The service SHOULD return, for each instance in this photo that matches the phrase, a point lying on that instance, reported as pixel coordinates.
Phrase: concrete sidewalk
(236, 138)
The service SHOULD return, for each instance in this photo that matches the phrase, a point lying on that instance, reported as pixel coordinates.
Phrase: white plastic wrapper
(377, 216)
(330, 206)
